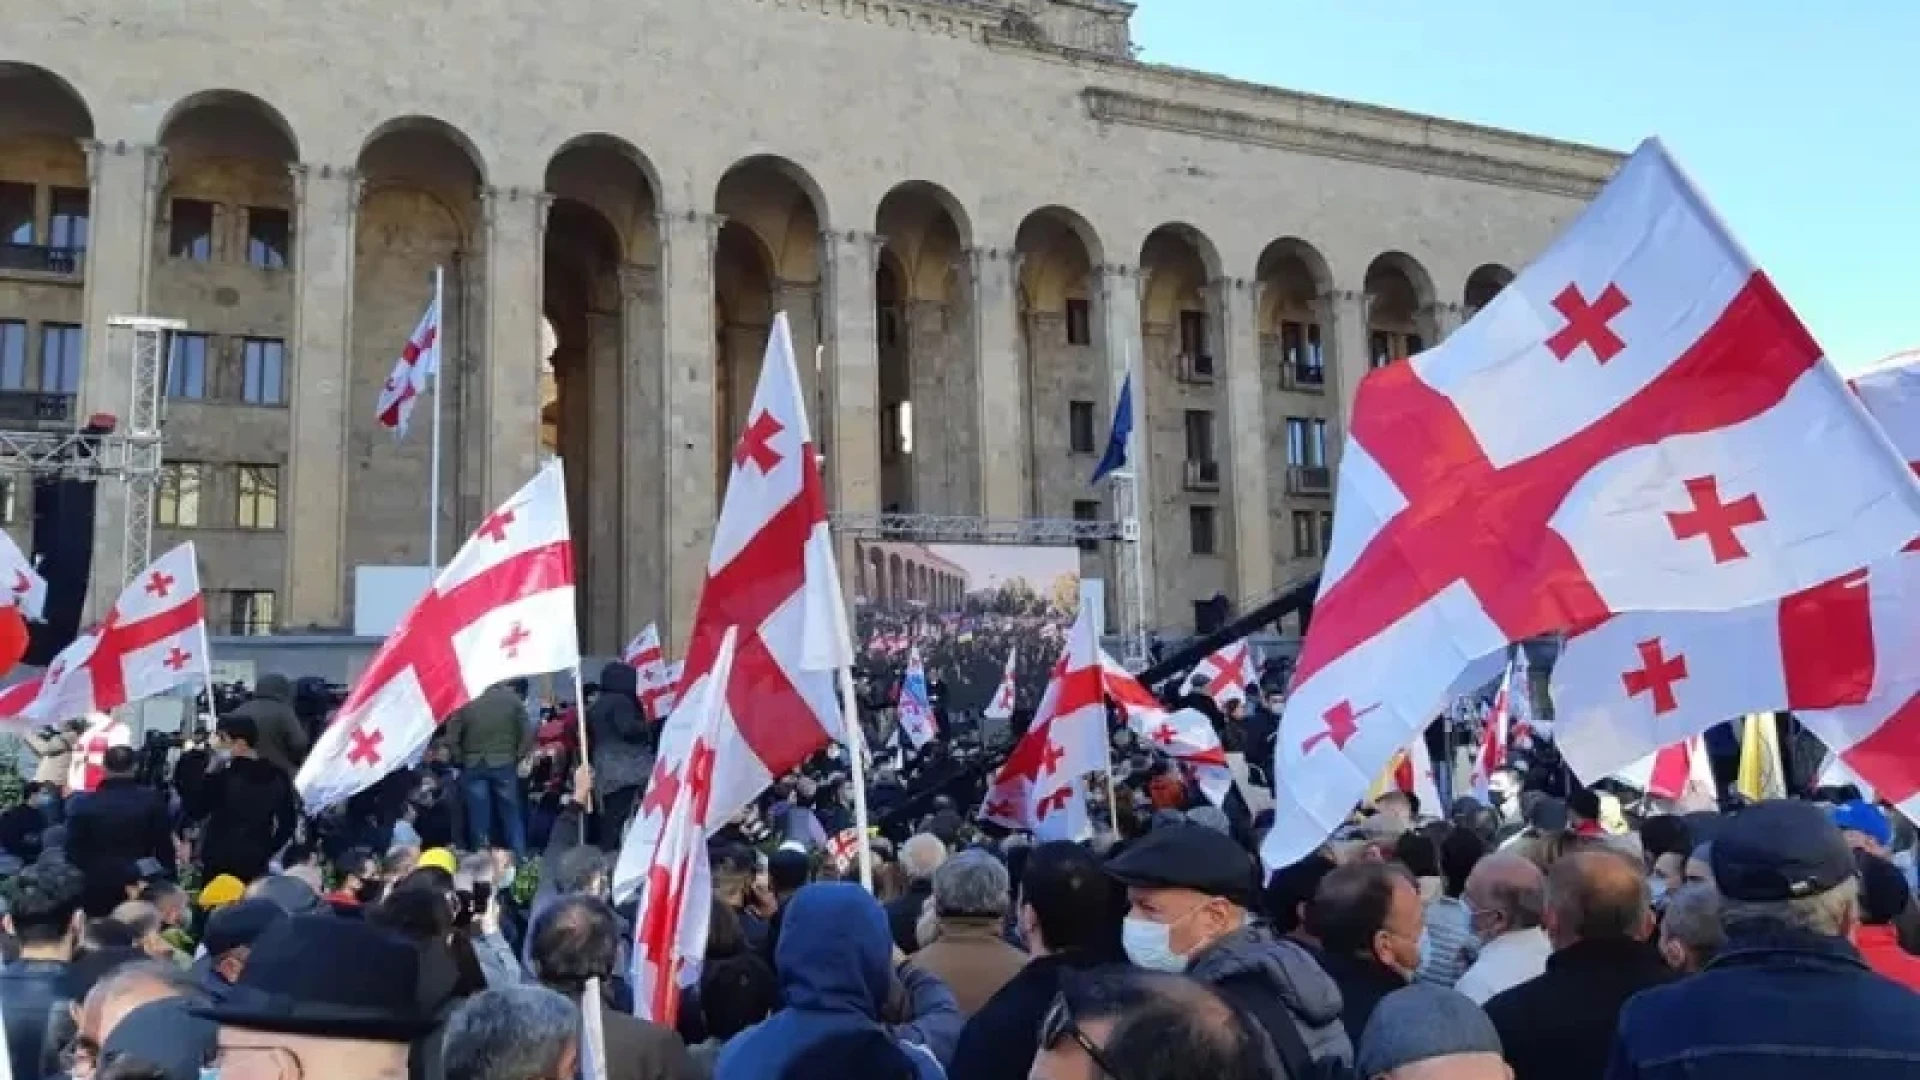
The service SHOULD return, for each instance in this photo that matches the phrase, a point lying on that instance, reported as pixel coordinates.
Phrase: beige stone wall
(729, 198)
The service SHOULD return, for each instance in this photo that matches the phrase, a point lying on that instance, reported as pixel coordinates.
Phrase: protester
(111, 829)
(329, 997)
(1367, 918)
(836, 978)
(1066, 917)
(1884, 900)
(1865, 827)
(247, 803)
(1788, 996)
(1425, 1032)
(526, 1033)
(166, 1036)
(44, 915)
(280, 739)
(228, 942)
(1691, 934)
(1290, 890)
(1506, 899)
(1560, 1025)
(127, 988)
(736, 992)
(577, 939)
(965, 950)
(1440, 870)
(1189, 890)
(1140, 1025)
(621, 746)
(488, 738)
(920, 856)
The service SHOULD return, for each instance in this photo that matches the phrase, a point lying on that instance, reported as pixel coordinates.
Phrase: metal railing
(41, 258)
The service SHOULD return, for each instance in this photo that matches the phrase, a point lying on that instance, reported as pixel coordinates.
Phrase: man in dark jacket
(248, 804)
(488, 737)
(112, 829)
(1368, 919)
(1599, 917)
(1066, 916)
(1788, 995)
(45, 917)
(578, 938)
(283, 742)
(621, 747)
(1189, 891)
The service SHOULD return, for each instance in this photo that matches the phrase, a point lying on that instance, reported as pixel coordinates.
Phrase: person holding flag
(915, 707)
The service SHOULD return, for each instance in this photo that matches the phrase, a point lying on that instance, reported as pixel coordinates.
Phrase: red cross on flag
(24, 587)
(1041, 787)
(1498, 733)
(153, 639)
(1640, 682)
(502, 609)
(657, 679)
(670, 934)
(1681, 774)
(89, 765)
(1185, 735)
(418, 363)
(1637, 423)
(771, 576)
(1223, 675)
(1001, 707)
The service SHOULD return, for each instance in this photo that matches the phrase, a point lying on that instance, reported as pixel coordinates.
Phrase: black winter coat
(617, 732)
(249, 809)
(110, 830)
(1561, 1025)
(1000, 1040)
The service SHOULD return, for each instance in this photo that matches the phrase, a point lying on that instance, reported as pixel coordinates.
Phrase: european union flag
(1115, 458)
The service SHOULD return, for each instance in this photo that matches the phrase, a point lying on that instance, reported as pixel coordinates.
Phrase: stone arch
(1294, 282)
(232, 108)
(927, 413)
(1483, 285)
(1061, 370)
(613, 177)
(1178, 263)
(45, 210)
(419, 212)
(767, 260)
(1400, 299)
(228, 199)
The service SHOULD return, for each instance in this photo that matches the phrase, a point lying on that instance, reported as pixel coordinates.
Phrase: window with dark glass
(1080, 433)
(1200, 529)
(1303, 533)
(250, 612)
(60, 358)
(1306, 442)
(187, 366)
(1087, 510)
(16, 214)
(1193, 333)
(1079, 321)
(269, 237)
(13, 354)
(1199, 425)
(263, 363)
(67, 224)
(190, 235)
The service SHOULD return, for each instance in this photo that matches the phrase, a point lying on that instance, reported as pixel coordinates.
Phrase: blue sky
(1802, 126)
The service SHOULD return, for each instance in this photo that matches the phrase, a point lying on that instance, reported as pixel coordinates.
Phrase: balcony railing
(1309, 480)
(41, 259)
(1196, 368)
(1203, 476)
(1303, 376)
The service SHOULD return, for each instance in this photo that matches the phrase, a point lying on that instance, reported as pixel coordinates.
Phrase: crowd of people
(457, 921)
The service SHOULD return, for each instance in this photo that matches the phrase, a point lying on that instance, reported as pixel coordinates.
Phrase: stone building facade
(978, 215)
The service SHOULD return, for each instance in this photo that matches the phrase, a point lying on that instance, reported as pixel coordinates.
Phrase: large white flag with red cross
(1041, 787)
(1637, 423)
(502, 609)
(1643, 681)
(1185, 735)
(670, 934)
(153, 639)
(1223, 675)
(772, 577)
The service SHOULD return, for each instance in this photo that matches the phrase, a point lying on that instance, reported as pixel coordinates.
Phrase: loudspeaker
(63, 552)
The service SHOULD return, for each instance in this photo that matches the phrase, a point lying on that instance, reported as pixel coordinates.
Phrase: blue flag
(1116, 456)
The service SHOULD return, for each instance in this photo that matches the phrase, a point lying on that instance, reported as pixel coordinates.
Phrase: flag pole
(439, 391)
(1113, 804)
(856, 743)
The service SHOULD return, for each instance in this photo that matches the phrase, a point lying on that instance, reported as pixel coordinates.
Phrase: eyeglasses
(1059, 1024)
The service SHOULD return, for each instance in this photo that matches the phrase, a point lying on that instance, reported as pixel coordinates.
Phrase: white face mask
(1150, 945)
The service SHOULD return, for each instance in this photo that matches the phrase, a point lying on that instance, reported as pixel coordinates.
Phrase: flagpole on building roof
(439, 391)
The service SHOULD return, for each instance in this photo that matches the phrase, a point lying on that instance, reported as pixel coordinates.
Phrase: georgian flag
(1001, 707)
(1222, 675)
(1185, 735)
(1041, 787)
(22, 585)
(657, 679)
(1637, 423)
(915, 707)
(419, 362)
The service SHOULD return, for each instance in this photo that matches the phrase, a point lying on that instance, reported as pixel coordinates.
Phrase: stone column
(124, 180)
(853, 374)
(801, 301)
(691, 496)
(1122, 345)
(1236, 303)
(643, 475)
(516, 220)
(1001, 407)
(1440, 320)
(1343, 312)
(606, 567)
(326, 206)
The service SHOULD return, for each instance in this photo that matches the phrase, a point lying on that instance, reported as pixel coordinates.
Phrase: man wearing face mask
(1189, 889)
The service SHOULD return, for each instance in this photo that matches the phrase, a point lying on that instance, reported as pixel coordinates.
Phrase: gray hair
(1830, 914)
(138, 916)
(921, 855)
(576, 868)
(519, 1034)
(177, 982)
(1693, 919)
(971, 883)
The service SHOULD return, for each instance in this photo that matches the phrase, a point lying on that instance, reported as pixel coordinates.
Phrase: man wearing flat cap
(1189, 889)
(1789, 995)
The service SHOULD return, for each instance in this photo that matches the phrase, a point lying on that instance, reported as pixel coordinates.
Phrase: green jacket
(490, 731)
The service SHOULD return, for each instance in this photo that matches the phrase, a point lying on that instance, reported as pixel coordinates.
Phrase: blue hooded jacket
(835, 966)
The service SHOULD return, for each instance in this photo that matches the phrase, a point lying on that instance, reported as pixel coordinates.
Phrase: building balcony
(42, 258)
(1309, 480)
(1203, 476)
